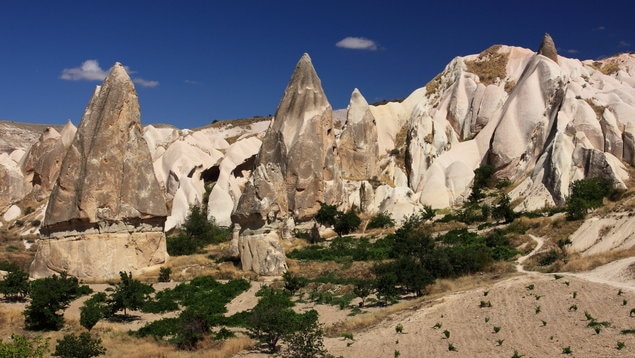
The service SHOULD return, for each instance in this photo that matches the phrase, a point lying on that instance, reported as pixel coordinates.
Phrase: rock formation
(357, 146)
(295, 169)
(106, 211)
(548, 48)
(42, 163)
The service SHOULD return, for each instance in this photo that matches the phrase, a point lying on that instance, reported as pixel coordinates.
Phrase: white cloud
(89, 71)
(624, 44)
(192, 82)
(572, 51)
(145, 83)
(357, 43)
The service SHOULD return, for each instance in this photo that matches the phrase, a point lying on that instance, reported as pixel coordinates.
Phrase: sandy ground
(538, 322)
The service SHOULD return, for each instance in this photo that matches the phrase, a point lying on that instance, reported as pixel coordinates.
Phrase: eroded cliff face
(542, 120)
(295, 168)
(106, 197)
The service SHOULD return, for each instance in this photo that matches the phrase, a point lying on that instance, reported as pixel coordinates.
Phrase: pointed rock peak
(118, 71)
(358, 98)
(49, 133)
(548, 48)
(305, 76)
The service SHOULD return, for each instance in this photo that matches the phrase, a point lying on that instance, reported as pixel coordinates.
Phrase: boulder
(99, 256)
(260, 252)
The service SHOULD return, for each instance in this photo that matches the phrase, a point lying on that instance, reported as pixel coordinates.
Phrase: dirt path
(519, 263)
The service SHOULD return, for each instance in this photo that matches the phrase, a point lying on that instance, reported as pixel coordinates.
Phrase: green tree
(382, 220)
(15, 285)
(503, 209)
(93, 310)
(164, 274)
(272, 318)
(196, 232)
(128, 294)
(23, 347)
(82, 346)
(49, 297)
(327, 214)
(346, 223)
(362, 290)
(586, 194)
(306, 340)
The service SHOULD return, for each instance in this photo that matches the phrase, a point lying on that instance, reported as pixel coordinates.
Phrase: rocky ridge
(542, 120)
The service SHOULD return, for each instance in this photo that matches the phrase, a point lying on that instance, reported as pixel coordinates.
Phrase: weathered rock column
(106, 211)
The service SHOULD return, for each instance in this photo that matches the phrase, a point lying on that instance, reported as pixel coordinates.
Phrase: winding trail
(519, 263)
(612, 274)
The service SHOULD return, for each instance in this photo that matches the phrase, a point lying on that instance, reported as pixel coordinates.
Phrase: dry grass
(441, 288)
(120, 344)
(434, 84)
(489, 66)
(599, 110)
(607, 67)
(242, 122)
(578, 263)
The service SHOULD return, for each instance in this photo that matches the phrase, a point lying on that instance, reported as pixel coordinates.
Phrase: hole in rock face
(248, 164)
(211, 174)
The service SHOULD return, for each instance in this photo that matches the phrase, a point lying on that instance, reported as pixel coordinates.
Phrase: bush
(346, 223)
(382, 220)
(15, 285)
(586, 194)
(93, 310)
(128, 294)
(327, 214)
(21, 346)
(49, 297)
(164, 274)
(82, 346)
(198, 231)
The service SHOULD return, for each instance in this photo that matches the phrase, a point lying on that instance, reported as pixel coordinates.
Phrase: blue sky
(198, 61)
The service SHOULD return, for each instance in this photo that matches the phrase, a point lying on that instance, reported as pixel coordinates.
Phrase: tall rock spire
(107, 174)
(548, 48)
(296, 168)
(106, 211)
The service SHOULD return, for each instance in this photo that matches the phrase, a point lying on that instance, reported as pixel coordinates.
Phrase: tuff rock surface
(106, 197)
(542, 120)
(295, 169)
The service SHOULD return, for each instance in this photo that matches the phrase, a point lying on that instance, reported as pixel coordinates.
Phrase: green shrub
(549, 257)
(346, 223)
(49, 297)
(327, 214)
(586, 194)
(82, 346)
(197, 231)
(382, 220)
(21, 346)
(15, 285)
(164, 274)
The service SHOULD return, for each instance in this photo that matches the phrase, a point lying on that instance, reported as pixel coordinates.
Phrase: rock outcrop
(295, 169)
(357, 146)
(548, 48)
(106, 211)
